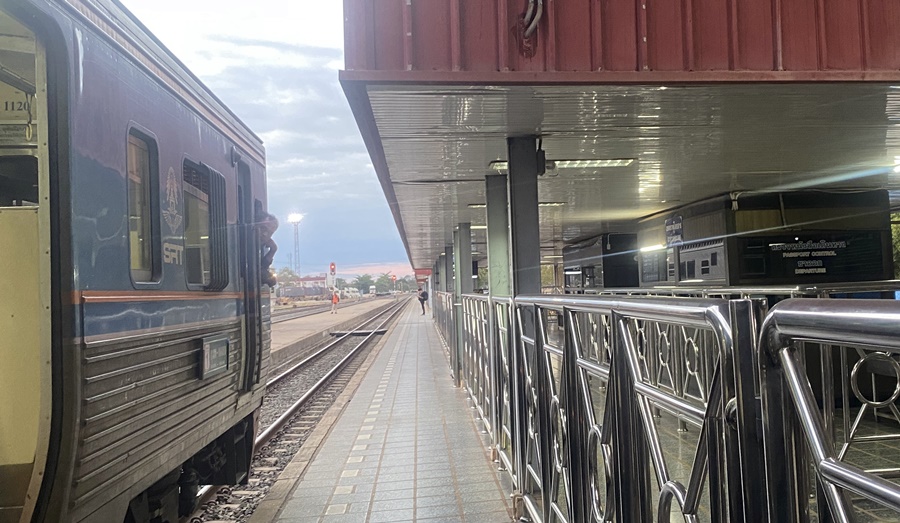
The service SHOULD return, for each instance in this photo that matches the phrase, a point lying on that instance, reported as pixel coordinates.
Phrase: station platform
(288, 332)
(403, 446)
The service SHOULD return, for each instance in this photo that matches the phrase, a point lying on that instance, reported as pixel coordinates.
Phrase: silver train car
(134, 325)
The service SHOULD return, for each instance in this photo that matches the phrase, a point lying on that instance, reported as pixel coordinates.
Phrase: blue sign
(674, 231)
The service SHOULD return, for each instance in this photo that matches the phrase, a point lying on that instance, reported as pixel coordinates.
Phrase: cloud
(275, 65)
(376, 269)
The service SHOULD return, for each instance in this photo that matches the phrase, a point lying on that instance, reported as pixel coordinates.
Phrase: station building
(714, 181)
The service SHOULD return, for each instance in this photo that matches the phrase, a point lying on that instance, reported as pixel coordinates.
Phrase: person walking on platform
(423, 297)
(334, 301)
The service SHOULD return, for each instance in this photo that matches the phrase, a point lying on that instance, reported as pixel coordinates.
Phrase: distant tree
(482, 281)
(363, 282)
(286, 275)
(548, 275)
(340, 283)
(384, 283)
(407, 283)
(895, 242)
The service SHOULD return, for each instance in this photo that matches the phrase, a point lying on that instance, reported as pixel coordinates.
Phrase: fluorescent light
(541, 204)
(587, 164)
(651, 248)
(571, 273)
(477, 227)
(557, 256)
(691, 281)
(501, 166)
(474, 276)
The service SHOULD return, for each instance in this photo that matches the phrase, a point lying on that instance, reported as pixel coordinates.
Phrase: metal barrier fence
(445, 317)
(631, 408)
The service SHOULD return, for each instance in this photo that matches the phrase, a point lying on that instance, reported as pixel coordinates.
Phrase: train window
(205, 234)
(142, 193)
(18, 181)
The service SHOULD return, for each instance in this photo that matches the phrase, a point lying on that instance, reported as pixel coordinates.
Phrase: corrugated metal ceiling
(688, 142)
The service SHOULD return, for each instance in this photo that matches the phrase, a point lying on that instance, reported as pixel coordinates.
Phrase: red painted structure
(844, 39)
(391, 45)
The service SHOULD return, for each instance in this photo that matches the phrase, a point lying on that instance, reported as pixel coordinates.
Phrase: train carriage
(134, 327)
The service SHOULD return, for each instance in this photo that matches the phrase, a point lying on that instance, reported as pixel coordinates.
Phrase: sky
(275, 64)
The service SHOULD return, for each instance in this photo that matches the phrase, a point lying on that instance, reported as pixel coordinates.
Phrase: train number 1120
(15, 106)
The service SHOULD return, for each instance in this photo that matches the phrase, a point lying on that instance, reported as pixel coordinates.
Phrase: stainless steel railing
(791, 411)
(445, 317)
(629, 408)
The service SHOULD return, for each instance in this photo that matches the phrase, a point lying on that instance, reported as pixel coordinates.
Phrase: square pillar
(524, 231)
(462, 251)
(448, 269)
(498, 235)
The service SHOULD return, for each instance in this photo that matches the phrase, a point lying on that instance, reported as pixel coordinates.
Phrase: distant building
(310, 282)
(305, 286)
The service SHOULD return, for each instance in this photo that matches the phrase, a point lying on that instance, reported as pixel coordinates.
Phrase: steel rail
(327, 347)
(293, 314)
(206, 493)
(282, 420)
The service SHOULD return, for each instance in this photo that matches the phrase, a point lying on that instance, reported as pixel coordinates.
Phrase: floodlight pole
(295, 219)
(297, 248)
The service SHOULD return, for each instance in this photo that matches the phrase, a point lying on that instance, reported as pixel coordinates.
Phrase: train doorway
(250, 277)
(25, 334)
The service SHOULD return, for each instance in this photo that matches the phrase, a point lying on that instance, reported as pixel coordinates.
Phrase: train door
(250, 278)
(25, 373)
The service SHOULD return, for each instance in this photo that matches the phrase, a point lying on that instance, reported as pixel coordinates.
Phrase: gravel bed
(236, 504)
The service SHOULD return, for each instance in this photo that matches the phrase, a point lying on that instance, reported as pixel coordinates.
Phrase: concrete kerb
(287, 481)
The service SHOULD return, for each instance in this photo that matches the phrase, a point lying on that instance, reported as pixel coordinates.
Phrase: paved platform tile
(405, 448)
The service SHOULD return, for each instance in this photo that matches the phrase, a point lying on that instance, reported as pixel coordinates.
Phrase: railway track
(279, 316)
(295, 400)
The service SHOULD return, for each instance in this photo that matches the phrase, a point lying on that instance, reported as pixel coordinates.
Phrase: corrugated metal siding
(623, 35)
(144, 405)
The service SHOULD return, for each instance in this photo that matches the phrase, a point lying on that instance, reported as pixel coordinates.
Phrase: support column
(438, 275)
(448, 268)
(462, 254)
(524, 229)
(525, 278)
(498, 235)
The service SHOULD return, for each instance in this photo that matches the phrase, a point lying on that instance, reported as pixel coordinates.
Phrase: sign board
(214, 356)
(818, 257)
(674, 231)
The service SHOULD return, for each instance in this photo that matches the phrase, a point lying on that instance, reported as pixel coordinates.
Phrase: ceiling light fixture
(554, 256)
(501, 166)
(651, 248)
(541, 204)
(477, 227)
